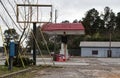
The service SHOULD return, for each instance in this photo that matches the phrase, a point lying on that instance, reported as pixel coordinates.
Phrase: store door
(109, 53)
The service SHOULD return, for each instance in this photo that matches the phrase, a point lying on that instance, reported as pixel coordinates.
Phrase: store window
(94, 52)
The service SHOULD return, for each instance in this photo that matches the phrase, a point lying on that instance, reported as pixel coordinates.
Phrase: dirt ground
(83, 68)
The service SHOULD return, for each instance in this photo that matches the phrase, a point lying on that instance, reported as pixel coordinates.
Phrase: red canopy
(59, 28)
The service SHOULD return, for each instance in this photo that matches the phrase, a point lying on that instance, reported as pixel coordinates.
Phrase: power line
(4, 21)
(10, 15)
(14, 12)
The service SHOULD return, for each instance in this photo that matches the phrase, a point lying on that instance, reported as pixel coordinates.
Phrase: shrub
(18, 63)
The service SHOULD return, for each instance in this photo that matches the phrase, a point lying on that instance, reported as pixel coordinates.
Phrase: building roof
(62, 26)
(99, 44)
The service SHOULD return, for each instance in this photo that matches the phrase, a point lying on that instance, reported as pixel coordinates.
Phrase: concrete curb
(10, 75)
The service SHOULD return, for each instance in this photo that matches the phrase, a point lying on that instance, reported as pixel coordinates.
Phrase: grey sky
(67, 9)
(76, 9)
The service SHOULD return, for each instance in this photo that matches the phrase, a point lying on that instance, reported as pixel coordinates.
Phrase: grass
(30, 74)
(4, 69)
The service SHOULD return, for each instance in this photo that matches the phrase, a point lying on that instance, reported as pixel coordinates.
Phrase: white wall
(102, 52)
(116, 52)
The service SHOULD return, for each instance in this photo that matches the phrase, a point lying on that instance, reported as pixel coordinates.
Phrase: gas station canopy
(60, 28)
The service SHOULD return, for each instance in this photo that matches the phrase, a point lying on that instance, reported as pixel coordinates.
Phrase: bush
(18, 63)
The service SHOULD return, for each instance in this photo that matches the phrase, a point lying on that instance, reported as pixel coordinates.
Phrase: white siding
(102, 52)
(99, 44)
(116, 52)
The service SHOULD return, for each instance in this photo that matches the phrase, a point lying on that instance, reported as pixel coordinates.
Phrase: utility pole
(34, 45)
(56, 16)
(109, 53)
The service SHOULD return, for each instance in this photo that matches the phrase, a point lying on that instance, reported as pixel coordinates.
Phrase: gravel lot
(82, 68)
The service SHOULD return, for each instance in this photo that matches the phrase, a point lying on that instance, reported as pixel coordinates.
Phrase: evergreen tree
(118, 21)
(91, 21)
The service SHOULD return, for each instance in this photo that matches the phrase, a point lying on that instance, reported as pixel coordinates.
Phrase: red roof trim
(63, 26)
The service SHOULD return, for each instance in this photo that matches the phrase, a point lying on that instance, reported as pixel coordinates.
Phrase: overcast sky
(72, 9)
(76, 9)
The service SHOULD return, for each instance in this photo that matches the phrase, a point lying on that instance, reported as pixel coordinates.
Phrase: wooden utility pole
(56, 16)
(34, 45)
(109, 53)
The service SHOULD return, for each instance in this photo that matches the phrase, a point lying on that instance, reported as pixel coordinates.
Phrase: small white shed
(100, 49)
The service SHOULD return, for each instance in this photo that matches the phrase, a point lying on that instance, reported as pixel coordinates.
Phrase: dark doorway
(109, 53)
